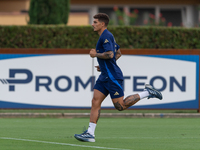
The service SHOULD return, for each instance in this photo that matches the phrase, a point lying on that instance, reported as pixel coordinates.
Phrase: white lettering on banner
(67, 80)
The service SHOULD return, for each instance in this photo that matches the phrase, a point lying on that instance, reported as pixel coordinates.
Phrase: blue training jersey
(109, 67)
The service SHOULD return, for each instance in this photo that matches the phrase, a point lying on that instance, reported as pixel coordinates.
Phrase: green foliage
(125, 17)
(38, 36)
(49, 11)
(152, 21)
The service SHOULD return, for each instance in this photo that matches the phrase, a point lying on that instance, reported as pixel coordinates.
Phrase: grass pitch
(111, 133)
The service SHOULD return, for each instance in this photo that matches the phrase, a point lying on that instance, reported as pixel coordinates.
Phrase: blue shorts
(112, 87)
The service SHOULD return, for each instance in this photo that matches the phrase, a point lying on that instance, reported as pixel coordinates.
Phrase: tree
(49, 11)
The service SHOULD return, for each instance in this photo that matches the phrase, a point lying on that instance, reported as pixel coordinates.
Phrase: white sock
(143, 94)
(91, 128)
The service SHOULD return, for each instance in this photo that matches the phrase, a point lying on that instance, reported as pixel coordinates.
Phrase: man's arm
(105, 55)
(118, 54)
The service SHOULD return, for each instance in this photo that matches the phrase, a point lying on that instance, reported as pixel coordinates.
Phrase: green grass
(88, 111)
(121, 133)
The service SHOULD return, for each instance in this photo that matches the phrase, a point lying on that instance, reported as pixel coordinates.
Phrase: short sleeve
(117, 46)
(108, 44)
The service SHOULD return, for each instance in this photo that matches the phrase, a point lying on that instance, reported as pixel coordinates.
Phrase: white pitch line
(67, 144)
(149, 137)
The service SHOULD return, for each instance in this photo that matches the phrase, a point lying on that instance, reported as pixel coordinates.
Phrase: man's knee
(118, 106)
(95, 102)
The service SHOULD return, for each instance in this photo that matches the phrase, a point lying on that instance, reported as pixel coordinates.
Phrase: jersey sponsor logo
(106, 41)
(116, 93)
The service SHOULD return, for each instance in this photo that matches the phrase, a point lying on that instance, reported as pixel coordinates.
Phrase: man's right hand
(93, 53)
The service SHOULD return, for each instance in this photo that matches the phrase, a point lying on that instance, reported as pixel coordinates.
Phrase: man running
(110, 80)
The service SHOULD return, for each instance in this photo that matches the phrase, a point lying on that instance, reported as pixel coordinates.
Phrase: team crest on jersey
(106, 41)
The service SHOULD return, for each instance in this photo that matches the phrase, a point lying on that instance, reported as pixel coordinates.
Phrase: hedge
(37, 36)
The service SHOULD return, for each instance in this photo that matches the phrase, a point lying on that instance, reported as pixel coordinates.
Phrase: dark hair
(102, 17)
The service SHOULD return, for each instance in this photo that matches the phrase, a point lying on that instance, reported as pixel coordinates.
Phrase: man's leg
(88, 135)
(122, 104)
(97, 99)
